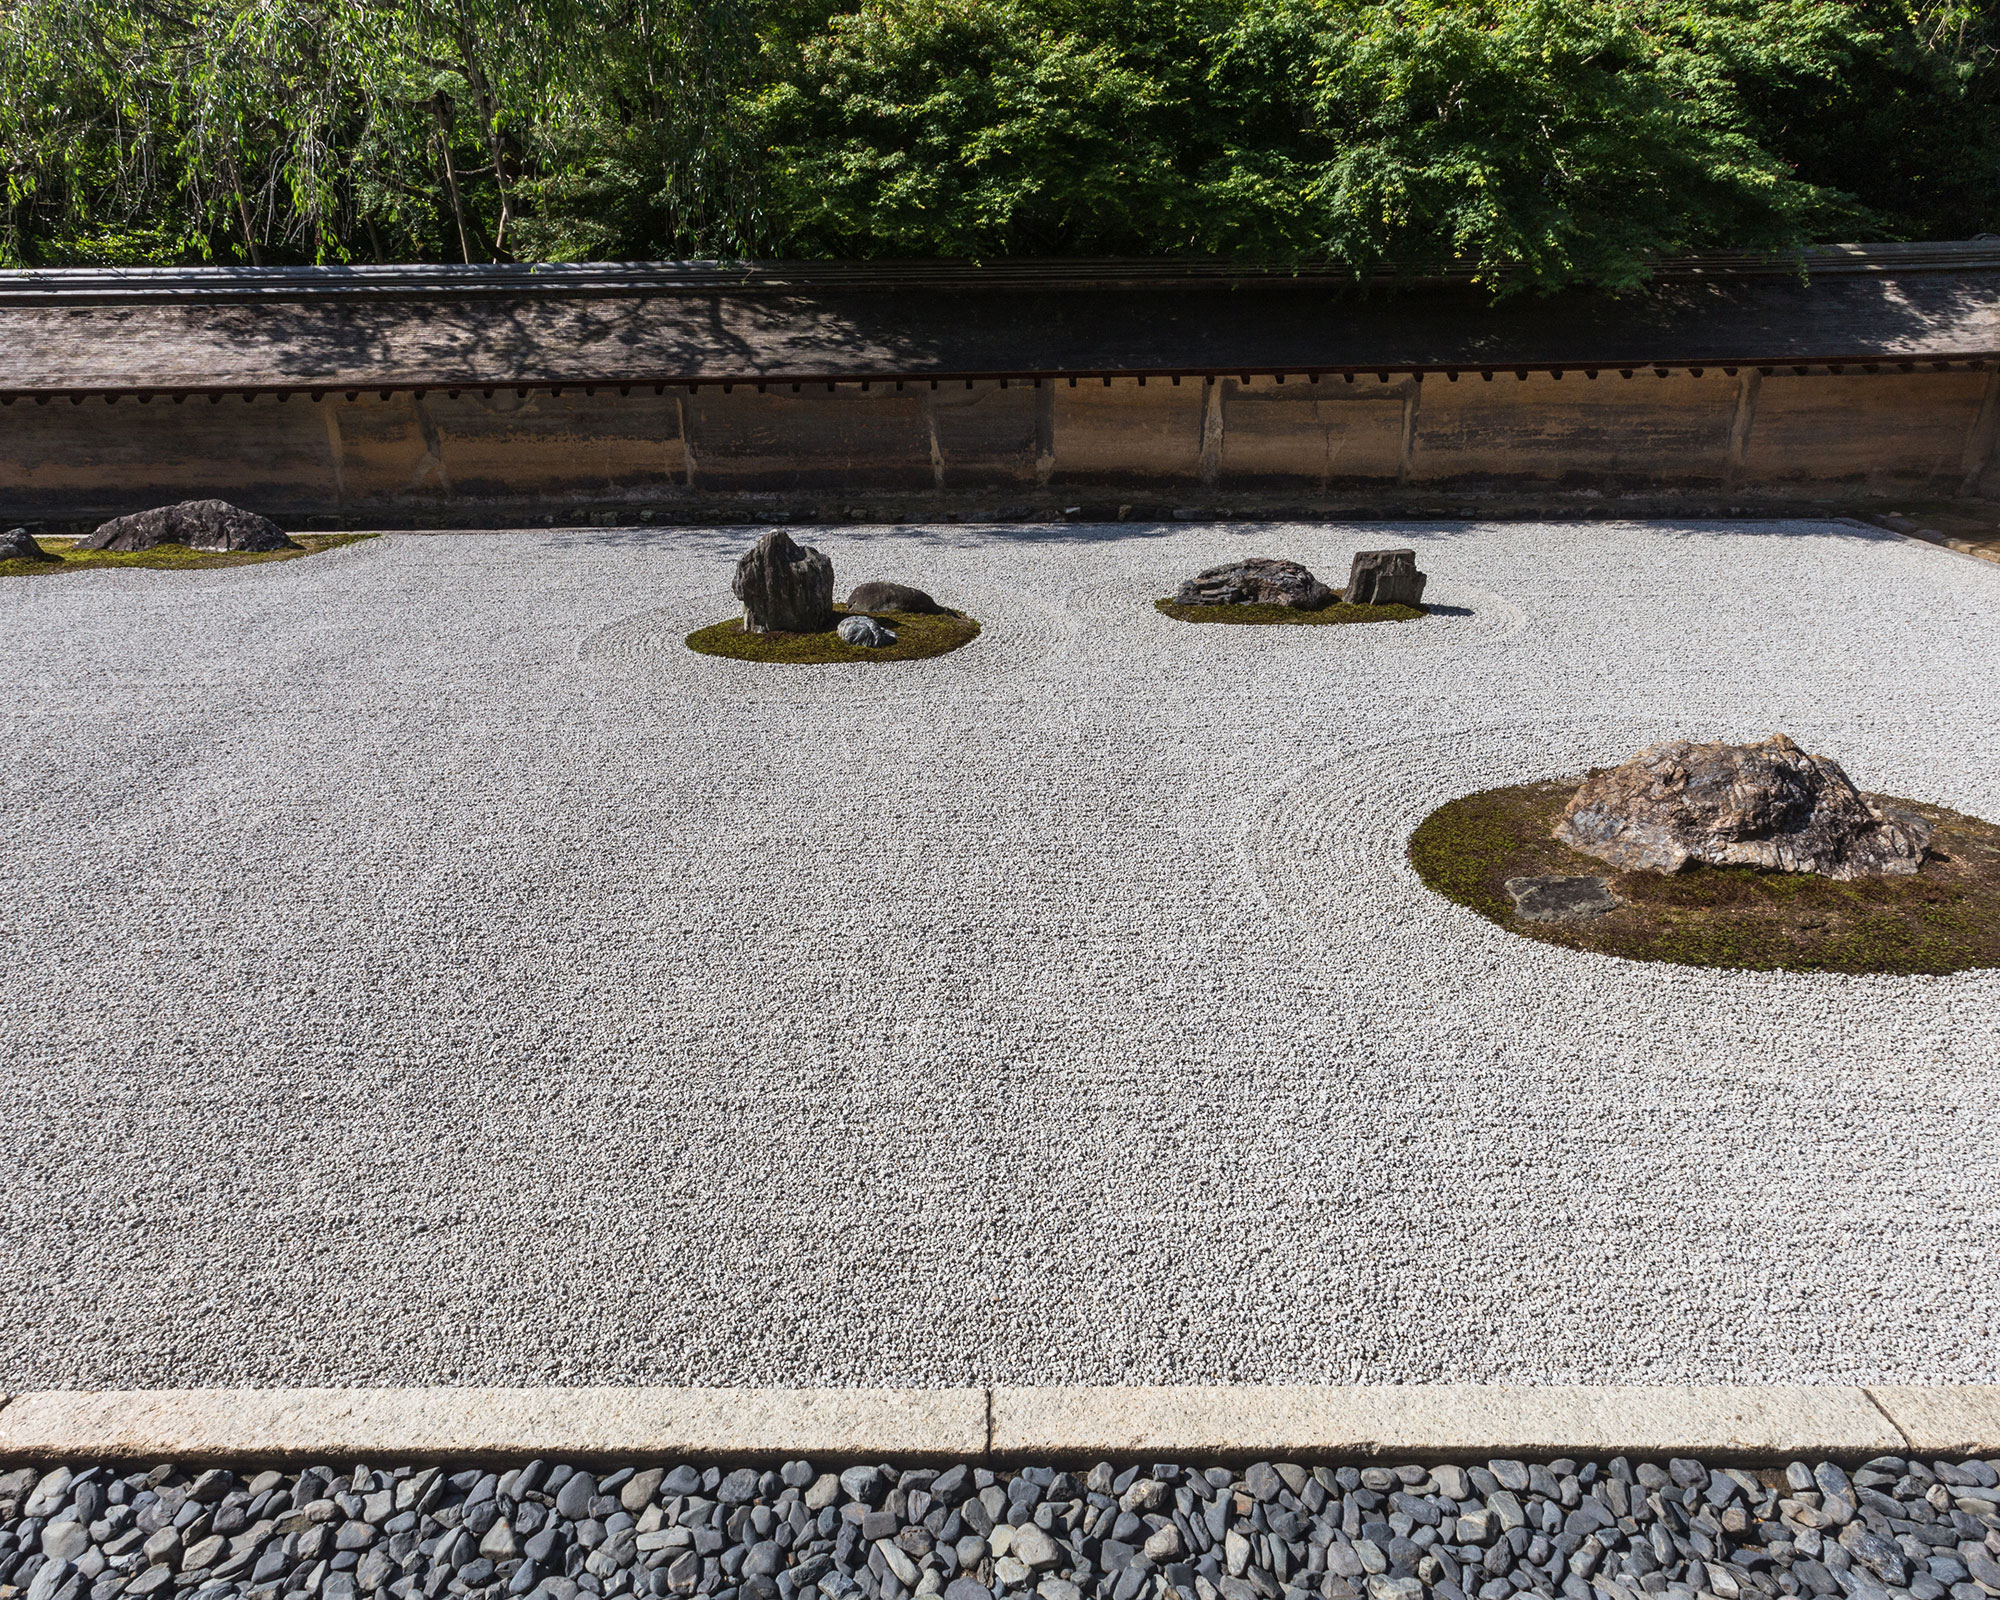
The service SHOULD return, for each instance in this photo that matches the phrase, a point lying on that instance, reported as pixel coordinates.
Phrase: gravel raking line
(421, 969)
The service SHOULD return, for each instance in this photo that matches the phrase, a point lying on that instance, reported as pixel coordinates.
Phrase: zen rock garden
(789, 614)
(1382, 586)
(1759, 854)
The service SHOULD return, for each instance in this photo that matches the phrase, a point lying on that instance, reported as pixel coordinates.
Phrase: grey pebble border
(1586, 1530)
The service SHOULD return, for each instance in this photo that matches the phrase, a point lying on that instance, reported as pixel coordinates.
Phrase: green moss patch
(1945, 918)
(177, 557)
(917, 636)
(1339, 612)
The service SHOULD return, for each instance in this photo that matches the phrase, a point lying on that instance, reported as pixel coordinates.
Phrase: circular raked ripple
(403, 988)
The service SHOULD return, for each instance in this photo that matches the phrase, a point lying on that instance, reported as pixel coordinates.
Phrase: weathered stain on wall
(1851, 432)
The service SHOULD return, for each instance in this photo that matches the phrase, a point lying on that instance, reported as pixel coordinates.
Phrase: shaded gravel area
(421, 968)
(1588, 1531)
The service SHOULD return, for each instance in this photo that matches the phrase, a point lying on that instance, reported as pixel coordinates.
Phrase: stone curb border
(1896, 522)
(1438, 1422)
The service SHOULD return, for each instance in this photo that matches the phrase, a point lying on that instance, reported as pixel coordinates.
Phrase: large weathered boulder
(17, 544)
(785, 587)
(882, 596)
(1259, 581)
(1385, 578)
(1767, 804)
(198, 524)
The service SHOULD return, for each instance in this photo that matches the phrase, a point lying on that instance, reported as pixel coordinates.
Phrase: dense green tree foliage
(1535, 141)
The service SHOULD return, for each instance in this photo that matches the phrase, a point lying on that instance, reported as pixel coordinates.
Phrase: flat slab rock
(1259, 581)
(1768, 804)
(198, 524)
(1554, 898)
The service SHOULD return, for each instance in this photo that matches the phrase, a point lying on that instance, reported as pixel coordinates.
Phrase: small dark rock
(198, 524)
(865, 631)
(17, 544)
(574, 1497)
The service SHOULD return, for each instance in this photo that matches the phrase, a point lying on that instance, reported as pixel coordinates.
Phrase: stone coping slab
(1446, 1420)
(1440, 1421)
(419, 1424)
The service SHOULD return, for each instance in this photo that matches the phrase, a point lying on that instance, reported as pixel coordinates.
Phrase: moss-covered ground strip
(1339, 612)
(176, 557)
(1944, 919)
(917, 636)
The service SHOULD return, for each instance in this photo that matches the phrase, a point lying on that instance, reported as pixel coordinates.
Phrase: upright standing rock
(198, 524)
(1385, 578)
(784, 587)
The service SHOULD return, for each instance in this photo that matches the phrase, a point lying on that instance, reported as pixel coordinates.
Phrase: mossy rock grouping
(1382, 586)
(1337, 613)
(174, 557)
(1943, 918)
(918, 635)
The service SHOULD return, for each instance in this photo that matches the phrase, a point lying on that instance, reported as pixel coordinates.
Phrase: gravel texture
(1910, 1530)
(421, 967)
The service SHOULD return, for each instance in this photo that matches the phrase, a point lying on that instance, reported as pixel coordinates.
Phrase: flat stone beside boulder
(1385, 578)
(785, 587)
(879, 595)
(1768, 805)
(17, 544)
(198, 524)
(1554, 898)
(1259, 581)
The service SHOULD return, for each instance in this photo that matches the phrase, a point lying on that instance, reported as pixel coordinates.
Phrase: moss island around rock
(918, 636)
(1943, 918)
(1339, 612)
(172, 557)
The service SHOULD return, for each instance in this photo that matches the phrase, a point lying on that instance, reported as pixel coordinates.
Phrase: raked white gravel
(420, 968)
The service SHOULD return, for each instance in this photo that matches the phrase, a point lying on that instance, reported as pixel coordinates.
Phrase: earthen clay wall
(1905, 432)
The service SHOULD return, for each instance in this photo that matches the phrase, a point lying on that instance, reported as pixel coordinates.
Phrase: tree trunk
(489, 121)
(243, 209)
(441, 108)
